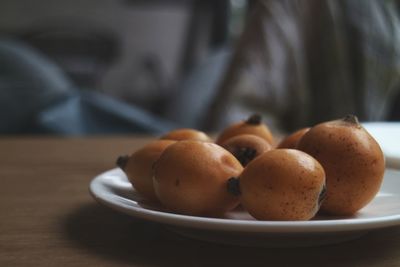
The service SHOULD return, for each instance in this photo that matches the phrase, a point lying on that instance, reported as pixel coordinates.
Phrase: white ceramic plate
(387, 135)
(114, 190)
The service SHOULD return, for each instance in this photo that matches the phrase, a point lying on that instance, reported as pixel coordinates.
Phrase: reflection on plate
(387, 134)
(114, 190)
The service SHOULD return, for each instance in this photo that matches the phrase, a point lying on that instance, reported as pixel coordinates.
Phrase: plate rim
(239, 225)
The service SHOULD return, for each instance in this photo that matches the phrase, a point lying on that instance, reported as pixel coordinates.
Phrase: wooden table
(48, 218)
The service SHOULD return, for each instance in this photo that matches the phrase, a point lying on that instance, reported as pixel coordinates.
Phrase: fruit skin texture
(244, 127)
(186, 134)
(353, 162)
(293, 139)
(246, 147)
(139, 167)
(190, 177)
(282, 184)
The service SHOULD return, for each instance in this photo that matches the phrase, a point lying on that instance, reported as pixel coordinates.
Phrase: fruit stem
(351, 119)
(122, 161)
(233, 186)
(254, 119)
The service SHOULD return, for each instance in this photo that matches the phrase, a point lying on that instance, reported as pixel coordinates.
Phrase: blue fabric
(93, 113)
(197, 91)
(37, 97)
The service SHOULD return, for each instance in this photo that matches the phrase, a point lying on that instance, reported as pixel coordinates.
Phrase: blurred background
(132, 66)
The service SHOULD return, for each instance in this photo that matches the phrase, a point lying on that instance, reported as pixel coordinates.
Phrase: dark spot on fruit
(177, 182)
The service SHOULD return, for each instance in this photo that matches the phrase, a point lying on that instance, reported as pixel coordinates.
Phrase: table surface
(48, 218)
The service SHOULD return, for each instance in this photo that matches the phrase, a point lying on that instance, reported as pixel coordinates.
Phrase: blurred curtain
(302, 62)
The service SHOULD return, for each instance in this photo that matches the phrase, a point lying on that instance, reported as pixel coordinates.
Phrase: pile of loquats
(335, 168)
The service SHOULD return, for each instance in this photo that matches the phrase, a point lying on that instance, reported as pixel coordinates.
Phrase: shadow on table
(118, 237)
